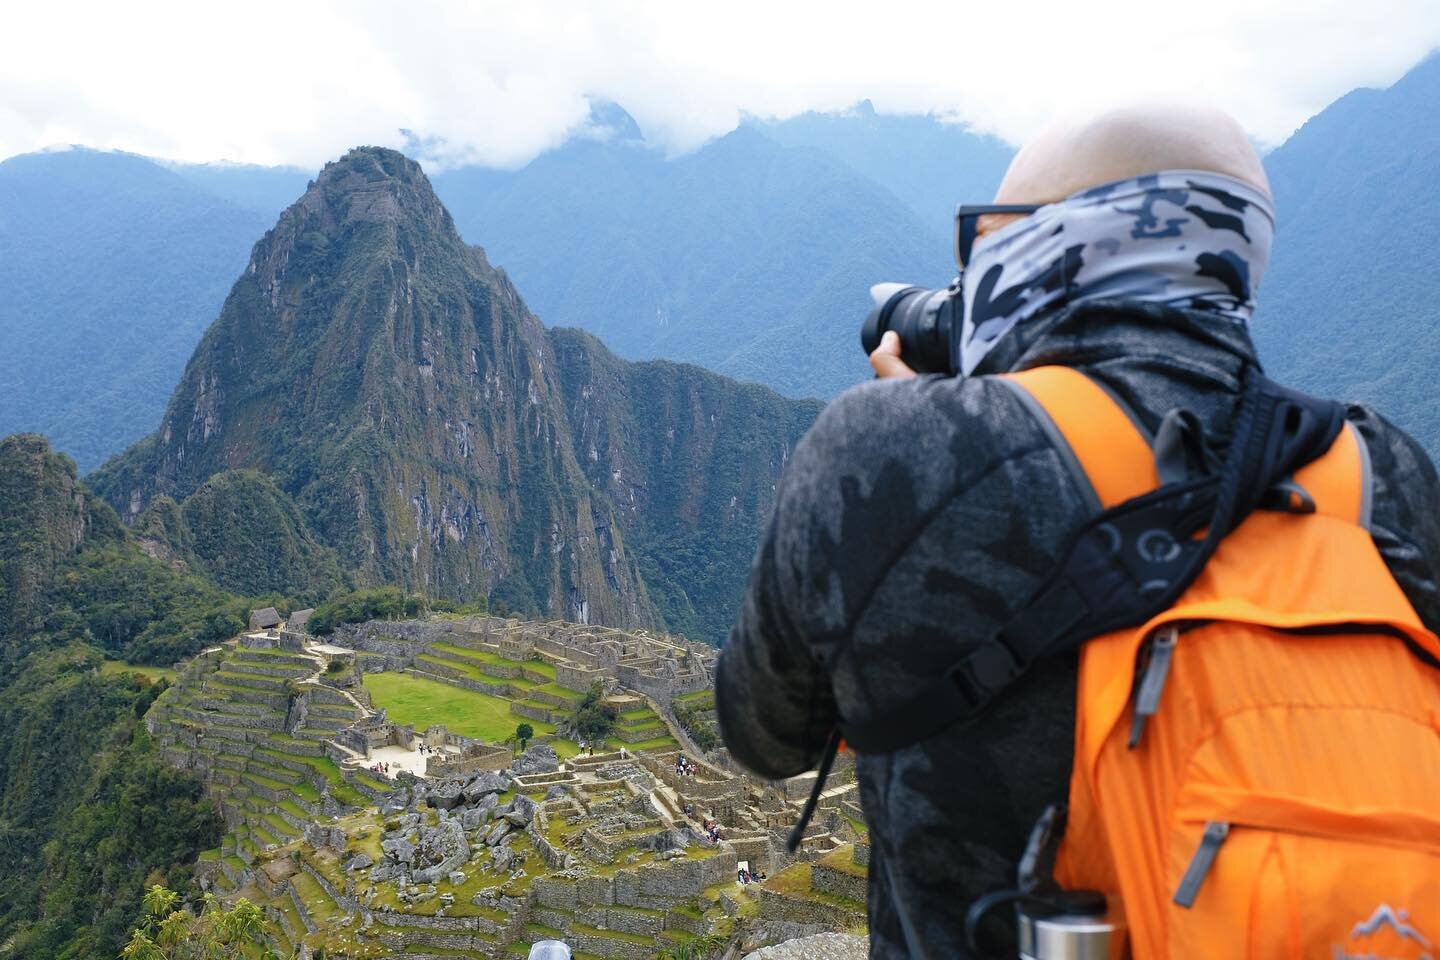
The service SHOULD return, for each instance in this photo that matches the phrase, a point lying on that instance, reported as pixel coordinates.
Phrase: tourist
(970, 504)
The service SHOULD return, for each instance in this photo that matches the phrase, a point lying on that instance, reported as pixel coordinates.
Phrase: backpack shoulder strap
(1131, 560)
(1089, 429)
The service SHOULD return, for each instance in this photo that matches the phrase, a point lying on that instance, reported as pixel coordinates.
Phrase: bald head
(1128, 142)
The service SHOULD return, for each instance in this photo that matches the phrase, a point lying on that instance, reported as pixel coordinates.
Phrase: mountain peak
(371, 202)
(611, 122)
(374, 184)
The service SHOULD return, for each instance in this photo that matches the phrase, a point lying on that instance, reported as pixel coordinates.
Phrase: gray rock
(485, 784)
(473, 817)
(321, 835)
(399, 849)
(556, 791)
(444, 848)
(457, 877)
(445, 797)
(361, 861)
(497, 832)
(824, 946)
(385, 870)
(502, 859)
(540, 758)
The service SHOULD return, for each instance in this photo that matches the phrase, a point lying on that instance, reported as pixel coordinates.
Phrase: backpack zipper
(1215, 833)
(1152, 683)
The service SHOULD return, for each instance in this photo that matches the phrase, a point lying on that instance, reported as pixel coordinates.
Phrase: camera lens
(923, 319)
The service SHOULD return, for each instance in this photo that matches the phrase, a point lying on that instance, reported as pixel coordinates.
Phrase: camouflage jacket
(914, 519)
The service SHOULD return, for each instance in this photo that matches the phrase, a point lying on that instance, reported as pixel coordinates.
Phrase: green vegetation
(523, 734)
(380, 603)
(594, 719)
(111, 668)
(247, 536)
(111, 267)
(169, 931)
(89, 811)
(695, 712)
(422, 702)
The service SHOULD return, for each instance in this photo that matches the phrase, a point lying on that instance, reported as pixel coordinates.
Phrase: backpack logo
(1387, 930)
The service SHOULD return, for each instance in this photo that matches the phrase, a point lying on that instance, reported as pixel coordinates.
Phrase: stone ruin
(615, 843)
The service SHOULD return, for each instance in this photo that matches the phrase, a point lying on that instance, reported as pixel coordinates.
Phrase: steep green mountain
(930, 164)
(110, 269)
(243, 534)
(45, 519)
(393, 386)
(71, 573)
(1347, 308)
(750, 258)
(87, 810)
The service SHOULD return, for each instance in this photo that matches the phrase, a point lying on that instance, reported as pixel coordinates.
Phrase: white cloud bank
(299, 81)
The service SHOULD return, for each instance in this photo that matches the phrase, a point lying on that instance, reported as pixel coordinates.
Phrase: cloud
(498, 82)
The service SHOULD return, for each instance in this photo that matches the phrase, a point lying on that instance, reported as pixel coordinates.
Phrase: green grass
(113, 667)
(421, 702)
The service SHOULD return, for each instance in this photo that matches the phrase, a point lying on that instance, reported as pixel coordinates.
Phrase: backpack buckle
(987, 670)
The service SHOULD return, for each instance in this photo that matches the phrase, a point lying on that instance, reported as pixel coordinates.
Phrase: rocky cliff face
(392, 382)
(45, 517)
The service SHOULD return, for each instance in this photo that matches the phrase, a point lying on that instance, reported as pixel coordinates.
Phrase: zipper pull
(1152, 684)
(1200, 864)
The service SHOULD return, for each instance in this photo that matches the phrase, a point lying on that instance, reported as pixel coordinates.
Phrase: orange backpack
(1257, 767)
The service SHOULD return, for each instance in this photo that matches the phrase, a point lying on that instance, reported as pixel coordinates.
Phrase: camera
(927, 321)
(930, 322)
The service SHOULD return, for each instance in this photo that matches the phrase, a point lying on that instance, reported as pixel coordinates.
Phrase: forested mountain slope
(930, 164)
(110, 269)
(87, 810)
(1351, 305)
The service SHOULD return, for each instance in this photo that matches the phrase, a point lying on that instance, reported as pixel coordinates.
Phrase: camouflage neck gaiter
(1184, 238)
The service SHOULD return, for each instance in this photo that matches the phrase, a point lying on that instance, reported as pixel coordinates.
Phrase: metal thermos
(1076, 925)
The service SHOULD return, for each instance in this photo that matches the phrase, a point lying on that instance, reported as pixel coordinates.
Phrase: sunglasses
(967, 224)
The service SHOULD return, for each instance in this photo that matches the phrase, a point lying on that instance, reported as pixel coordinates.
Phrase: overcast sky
(300, 81)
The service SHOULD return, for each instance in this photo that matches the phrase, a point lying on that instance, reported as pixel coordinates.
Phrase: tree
(169, 931)
(523, 733)
(593, 718)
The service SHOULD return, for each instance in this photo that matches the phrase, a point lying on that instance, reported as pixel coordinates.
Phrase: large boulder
(445, 848)
(503, 859)
(472, 818)
(540, 758)
(398, 849)
(484, 785)
(446, 796)
(361, 861)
